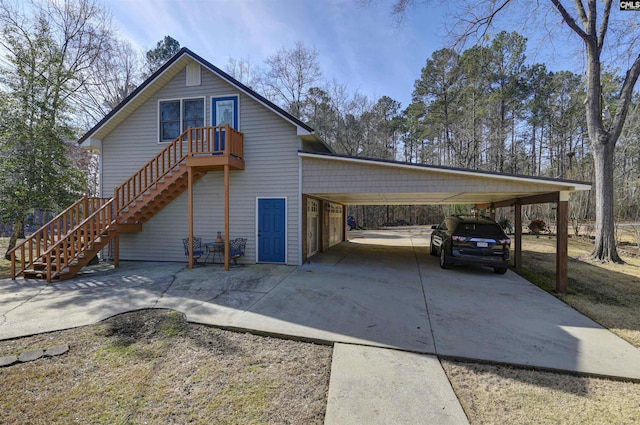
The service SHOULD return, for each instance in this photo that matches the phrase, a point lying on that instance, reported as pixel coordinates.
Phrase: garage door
(336, 224)
(313, 221)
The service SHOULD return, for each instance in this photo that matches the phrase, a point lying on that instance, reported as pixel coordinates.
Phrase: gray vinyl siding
(271, 170)
(328, 176)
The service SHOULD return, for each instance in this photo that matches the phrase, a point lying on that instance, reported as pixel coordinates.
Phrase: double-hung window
(178, 115)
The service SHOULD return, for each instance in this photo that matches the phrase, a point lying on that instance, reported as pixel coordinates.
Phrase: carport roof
(366, 181)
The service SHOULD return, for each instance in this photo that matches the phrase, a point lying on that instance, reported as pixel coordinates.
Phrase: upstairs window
(192, 113)
(169, 120)
(178, 115)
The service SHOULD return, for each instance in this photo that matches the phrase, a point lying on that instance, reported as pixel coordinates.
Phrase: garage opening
(338, 181)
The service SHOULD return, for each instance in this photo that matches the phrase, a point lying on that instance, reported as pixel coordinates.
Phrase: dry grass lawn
(503, 395)
(607, 293)
(610, 295)
(152, 367)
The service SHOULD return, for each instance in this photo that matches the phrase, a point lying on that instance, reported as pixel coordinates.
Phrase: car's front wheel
(500, 270)
(349, 227)
(444, 260)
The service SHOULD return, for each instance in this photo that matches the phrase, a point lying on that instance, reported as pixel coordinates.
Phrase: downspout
(100, 179)
(300, 206)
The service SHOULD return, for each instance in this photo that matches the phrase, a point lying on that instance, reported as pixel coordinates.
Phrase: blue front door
(271, 230)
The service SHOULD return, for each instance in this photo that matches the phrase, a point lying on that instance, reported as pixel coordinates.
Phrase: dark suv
(467, 239)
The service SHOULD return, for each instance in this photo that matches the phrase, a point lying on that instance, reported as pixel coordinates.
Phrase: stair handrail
(196, 140)
(89, 228)
(143, 180)
(41, 239)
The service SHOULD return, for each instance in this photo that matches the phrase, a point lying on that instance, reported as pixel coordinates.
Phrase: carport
(330, 179)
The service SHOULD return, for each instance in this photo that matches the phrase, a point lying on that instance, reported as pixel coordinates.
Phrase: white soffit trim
(575, 185)
(92, 143)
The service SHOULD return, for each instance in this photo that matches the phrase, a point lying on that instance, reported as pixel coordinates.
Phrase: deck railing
(33, 247)
(221, 140)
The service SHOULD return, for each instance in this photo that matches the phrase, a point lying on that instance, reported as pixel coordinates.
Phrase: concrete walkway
(382, 291)
(380, 386)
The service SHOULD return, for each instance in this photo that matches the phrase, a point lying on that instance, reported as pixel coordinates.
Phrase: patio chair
(197, 248)
(236, 249)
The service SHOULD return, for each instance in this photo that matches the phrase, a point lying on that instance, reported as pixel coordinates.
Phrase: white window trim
(181, 100)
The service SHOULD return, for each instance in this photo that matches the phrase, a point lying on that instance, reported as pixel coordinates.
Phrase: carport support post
(562, 239)
(517, 254)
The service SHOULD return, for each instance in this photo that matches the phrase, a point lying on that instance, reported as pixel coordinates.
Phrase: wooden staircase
(153, 199)
(70, 241)
(67, 243)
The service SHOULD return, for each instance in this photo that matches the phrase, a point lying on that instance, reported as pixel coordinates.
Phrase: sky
(360, 43)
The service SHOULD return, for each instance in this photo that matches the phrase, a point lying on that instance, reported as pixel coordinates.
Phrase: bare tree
(114, 75)
(591, 21)
(290, 75)
(246, 72)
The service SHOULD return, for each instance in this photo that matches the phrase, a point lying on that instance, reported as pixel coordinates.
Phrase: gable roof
(166, 72)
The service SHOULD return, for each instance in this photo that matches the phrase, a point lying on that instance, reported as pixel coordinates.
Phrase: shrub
(537, 226)
(506, 225)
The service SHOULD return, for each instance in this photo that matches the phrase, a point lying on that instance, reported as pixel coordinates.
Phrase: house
(263, 179)
(193, 152)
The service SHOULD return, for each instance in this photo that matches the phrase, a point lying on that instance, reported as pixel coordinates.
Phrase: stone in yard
(57, 350)
(29, 356)
(8, 360)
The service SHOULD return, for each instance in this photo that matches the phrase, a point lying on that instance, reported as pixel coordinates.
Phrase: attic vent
(193, 74)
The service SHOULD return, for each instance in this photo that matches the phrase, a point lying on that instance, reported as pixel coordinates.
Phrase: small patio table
(215, 248)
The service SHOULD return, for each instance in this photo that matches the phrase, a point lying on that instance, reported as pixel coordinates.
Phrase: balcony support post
(226, 217)
(116, 250)
(190, 212)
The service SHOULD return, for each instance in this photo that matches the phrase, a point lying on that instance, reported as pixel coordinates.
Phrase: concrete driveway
(380, 299)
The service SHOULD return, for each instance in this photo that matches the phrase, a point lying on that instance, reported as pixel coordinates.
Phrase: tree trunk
(15, 233)
(605, 244)
(603, 143)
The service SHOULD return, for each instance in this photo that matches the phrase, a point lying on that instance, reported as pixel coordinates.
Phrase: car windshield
(480, 230)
